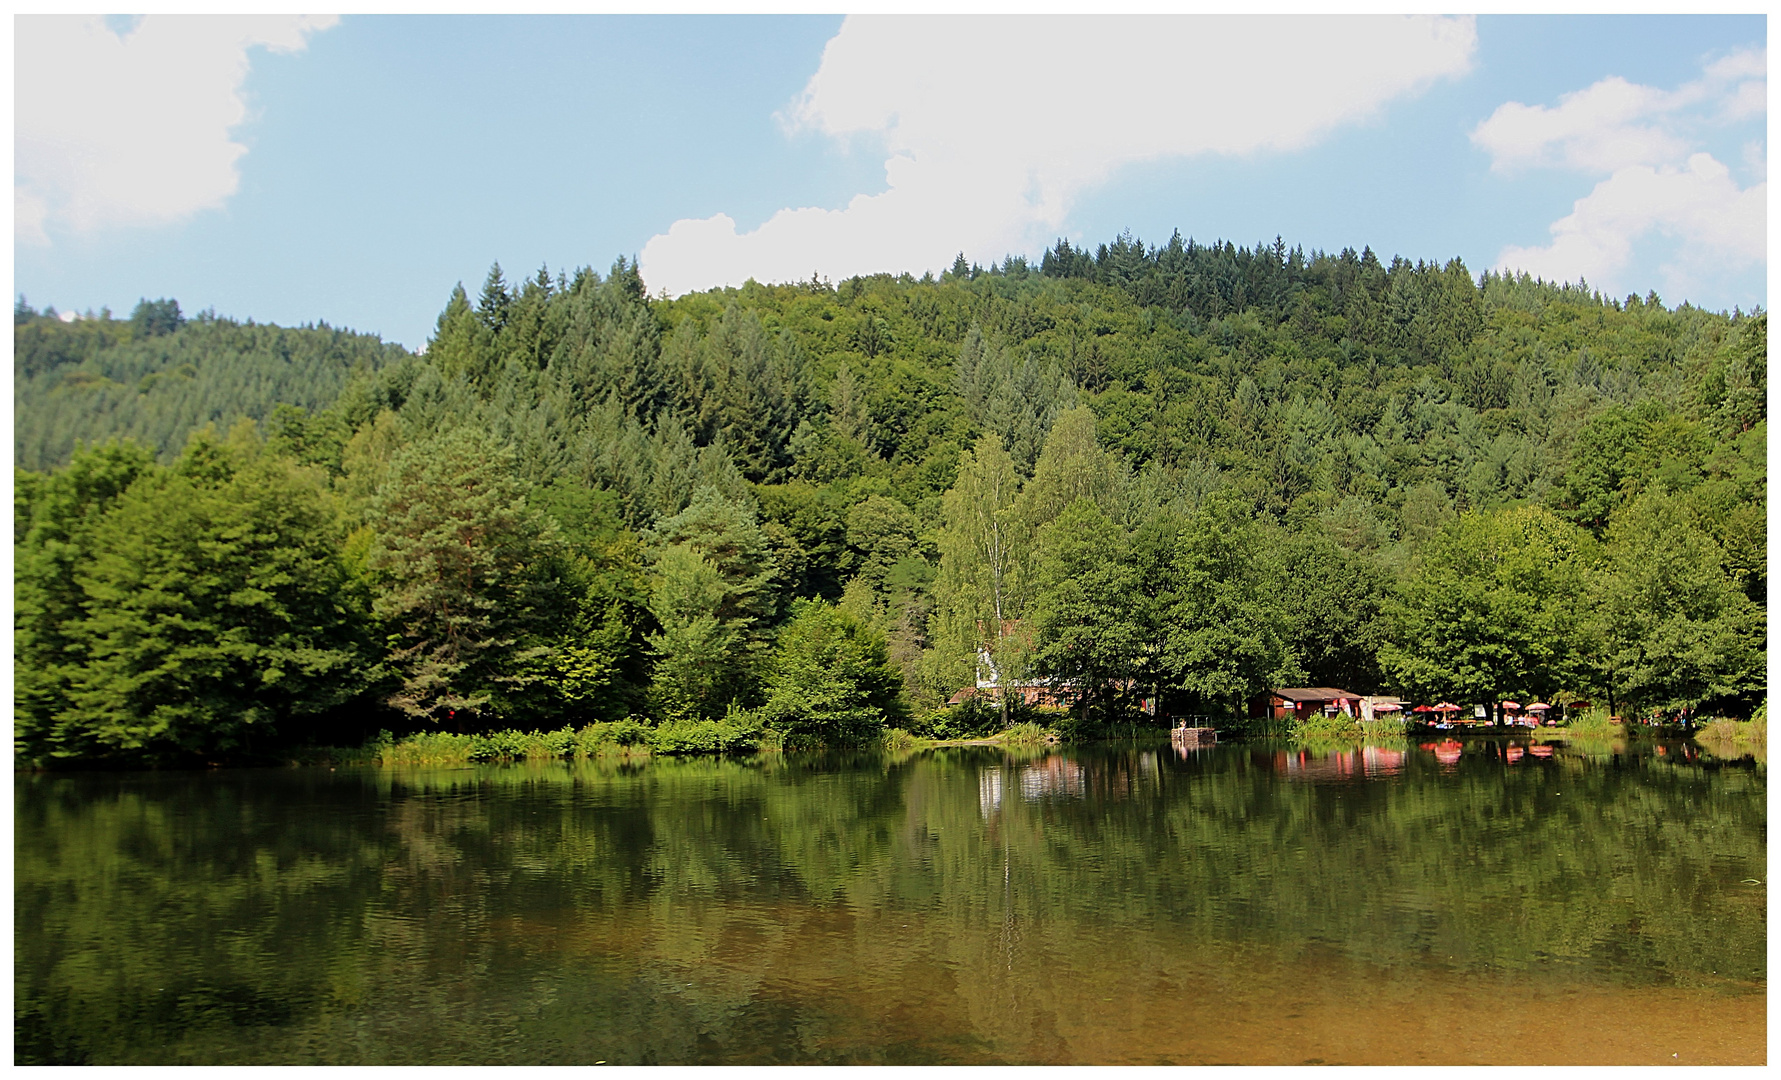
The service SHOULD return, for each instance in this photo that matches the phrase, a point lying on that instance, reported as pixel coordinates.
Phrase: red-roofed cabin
(1299, 702)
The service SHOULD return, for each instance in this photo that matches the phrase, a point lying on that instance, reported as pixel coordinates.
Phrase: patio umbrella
(1447, 706)
(1538, 706)
(1386, 706)
(1511, 705)
(1423, 708)
(1578, 705)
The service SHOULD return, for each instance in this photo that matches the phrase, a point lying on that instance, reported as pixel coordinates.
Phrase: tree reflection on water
(957, 905)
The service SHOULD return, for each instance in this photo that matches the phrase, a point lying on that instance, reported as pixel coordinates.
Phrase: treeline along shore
(1150, 480)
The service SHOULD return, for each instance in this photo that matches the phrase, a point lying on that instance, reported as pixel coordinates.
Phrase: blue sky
(353, 170)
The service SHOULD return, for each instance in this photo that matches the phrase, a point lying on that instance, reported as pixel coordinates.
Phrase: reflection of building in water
(1302, 765)
(1368, 761)
(1059, 777)
(1053, 776)
(1381, 761)
(989, 791)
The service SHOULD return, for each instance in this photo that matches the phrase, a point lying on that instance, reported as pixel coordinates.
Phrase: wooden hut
(1300, 702)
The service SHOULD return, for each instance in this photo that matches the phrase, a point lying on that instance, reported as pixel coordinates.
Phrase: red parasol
(1423, 708)
(1538, 706)
(1447, 706)
(1386, 706)
(1511, 705)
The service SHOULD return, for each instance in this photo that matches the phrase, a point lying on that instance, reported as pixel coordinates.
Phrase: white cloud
(1647, 143)
(1616, 123)
(1722, 227)
(995, 126)
(1601, 128)
(132, 128)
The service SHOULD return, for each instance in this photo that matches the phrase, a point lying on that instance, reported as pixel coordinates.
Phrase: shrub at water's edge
(897, 741)
(1328, 728)
(1591, 724)
(831, 682)
(1026, 734)
(1735, 738)
(612, 738)
(1384, 728)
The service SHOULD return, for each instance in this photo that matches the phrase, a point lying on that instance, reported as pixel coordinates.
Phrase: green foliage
(735, 733)
(978, 593)
(1027, 734)
(715, 595)
(881, 531)
(1301, 466)
(831, 682)
(1671, 627)
(898, 741)
(1221, 639)
(1495, 610)
(1730, 738)
(450, 748)
(1335, 613)
(1090, 638)
(456, 555)
(183, 612)
(1318, 727)
(153, 318)
(972, 718)
(1594, 724)
(1384, 728)
(156, 378)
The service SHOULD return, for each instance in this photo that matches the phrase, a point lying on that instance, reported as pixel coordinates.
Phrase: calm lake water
(1442, 903)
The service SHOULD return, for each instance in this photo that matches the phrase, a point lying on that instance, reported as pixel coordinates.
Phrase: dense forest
(1179, 473)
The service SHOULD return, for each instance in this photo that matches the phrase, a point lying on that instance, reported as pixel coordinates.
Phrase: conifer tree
(455, 551)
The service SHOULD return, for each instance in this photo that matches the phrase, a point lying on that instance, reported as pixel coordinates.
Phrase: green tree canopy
(1495, 610)
(1671, 627)
(213, 613)
(831, 682)
(456, 553)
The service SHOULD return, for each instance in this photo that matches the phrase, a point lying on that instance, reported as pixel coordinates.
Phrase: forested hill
(1202, 469)
(157, 376)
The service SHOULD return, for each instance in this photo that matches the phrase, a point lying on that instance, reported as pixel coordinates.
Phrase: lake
(1485, 901)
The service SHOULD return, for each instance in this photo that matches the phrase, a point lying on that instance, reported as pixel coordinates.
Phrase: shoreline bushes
(1322, 728)
(1736, 737)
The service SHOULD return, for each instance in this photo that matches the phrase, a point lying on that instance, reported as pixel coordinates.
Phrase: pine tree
(492, 306)
(455, 552)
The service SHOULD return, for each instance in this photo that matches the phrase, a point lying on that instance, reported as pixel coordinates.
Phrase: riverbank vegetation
(1179, 473)
(1736, 738)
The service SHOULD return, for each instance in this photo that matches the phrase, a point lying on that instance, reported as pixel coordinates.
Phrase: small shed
(1299, 702)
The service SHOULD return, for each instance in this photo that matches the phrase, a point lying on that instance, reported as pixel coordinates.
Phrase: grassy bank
(1736, 738)
(1348, 729)
(623, 738)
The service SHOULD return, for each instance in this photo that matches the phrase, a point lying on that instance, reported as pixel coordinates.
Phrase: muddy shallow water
(1460, 902)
